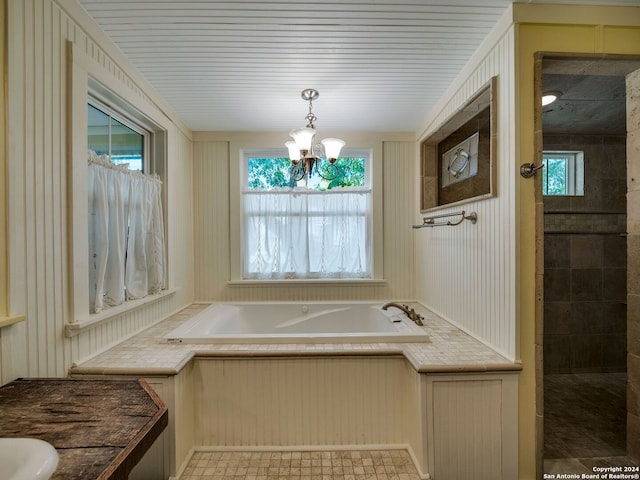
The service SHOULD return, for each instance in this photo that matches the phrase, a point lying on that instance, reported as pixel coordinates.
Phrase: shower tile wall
(585, 262)
(633, 206)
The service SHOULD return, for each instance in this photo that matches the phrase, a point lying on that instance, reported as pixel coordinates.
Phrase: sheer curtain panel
(126, 234)
(303, 233)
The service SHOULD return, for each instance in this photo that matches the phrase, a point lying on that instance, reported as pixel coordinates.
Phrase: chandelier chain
(310, 116)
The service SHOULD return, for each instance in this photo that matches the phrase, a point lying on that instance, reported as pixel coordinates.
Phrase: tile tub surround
(449, 350)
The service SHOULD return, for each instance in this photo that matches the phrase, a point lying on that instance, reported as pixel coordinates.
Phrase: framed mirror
(458, 160)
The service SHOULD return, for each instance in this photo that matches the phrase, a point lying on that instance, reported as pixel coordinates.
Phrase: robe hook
(528, 170)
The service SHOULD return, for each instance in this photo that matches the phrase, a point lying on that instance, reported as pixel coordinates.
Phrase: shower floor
(585, 418)
(302, 465)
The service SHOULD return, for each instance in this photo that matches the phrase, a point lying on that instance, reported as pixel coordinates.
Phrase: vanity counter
(100, 428)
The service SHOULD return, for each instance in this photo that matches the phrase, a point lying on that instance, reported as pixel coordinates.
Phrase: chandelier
(304, 155)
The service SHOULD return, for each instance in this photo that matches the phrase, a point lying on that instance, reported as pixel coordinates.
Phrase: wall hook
(528, 170)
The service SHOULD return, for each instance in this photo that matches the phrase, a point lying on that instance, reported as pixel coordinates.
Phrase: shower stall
(584, 183)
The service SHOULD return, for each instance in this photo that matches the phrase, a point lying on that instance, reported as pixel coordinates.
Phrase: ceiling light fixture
(550, 97)
(304, 155)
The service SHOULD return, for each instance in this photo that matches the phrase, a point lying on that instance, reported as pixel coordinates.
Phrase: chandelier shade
(303, 138)
(294, 151)
(332, 147)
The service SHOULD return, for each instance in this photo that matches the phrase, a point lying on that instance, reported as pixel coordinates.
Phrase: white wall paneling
(468, 273)
(211, 217)
(471, 429)
(216, 191)
(38, 174)
(302, 401)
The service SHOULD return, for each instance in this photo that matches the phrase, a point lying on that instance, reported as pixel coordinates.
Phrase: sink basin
(27, 459)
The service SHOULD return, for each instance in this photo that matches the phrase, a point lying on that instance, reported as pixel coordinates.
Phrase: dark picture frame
(445, 180)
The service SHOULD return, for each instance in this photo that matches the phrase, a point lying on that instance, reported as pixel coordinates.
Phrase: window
(125, 220)
(121, 140)
(321, 230)
(275, 172)
(91, 84)
(563, 173)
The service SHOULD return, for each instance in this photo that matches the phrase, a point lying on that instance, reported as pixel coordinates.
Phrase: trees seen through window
(269, 173)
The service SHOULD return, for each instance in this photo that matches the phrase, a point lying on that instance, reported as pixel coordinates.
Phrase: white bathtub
(298, 322)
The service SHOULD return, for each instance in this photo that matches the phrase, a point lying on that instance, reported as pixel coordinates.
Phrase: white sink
(27, 459)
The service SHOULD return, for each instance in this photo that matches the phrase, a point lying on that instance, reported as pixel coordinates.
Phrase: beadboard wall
(217, 195)
(303, 402)
(38, 202)
(468, 273)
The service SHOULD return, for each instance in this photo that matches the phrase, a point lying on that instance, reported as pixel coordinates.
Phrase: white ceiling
(379, 65)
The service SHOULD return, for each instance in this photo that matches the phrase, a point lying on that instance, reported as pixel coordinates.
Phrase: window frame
(368, 217)
(86, 79)
(123, 118)
(238, 144)
(282, 153)
(574, 184)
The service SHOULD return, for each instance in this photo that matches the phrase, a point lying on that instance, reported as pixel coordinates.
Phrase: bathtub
(297, 322)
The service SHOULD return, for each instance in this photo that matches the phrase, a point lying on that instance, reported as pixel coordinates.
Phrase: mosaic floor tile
(302, 465)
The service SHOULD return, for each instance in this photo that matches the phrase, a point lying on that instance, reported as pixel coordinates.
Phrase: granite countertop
(449, 349)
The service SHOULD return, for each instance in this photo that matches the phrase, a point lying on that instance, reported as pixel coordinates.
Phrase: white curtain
(301, 233)
(126, 234)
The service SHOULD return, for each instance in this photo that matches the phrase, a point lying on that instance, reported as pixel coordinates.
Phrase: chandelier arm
(297, 171)
(333, 169)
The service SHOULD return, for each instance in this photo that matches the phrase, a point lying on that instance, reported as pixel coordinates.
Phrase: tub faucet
(411, 313)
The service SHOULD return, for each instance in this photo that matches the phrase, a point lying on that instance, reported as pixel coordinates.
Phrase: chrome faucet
(411, 313)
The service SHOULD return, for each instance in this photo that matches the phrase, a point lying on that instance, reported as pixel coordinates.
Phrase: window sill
(337, 282)
(11, 319)
(95, 319)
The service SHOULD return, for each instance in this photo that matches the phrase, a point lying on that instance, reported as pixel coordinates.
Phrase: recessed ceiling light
(550, 97)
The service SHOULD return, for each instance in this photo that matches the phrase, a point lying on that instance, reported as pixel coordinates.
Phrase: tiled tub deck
(397, 399)
(449, 349)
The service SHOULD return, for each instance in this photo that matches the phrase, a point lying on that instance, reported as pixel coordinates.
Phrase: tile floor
(302, 465)
(584, 422)
(585, 415)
